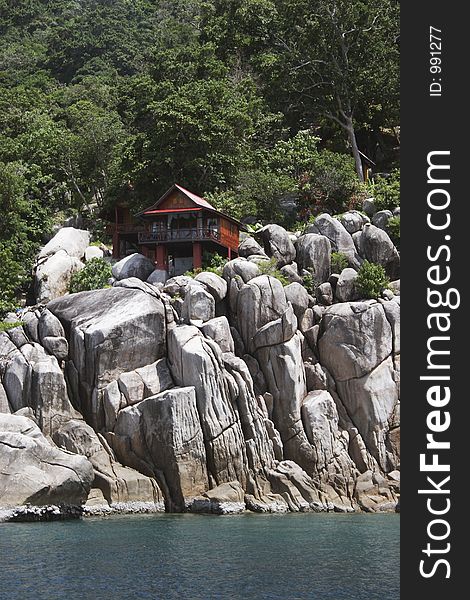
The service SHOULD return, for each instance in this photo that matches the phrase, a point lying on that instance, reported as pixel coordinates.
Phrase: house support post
(161, 258)
(197, 255)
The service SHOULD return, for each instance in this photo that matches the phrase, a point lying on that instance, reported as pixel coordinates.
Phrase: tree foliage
(94, 276)
(247, 101)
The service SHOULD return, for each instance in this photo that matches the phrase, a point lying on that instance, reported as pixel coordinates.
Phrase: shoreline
(52, 512)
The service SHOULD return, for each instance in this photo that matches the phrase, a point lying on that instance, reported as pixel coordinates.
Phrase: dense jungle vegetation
(256, 104)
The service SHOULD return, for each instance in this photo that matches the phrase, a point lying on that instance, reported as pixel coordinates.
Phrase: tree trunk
(355, 149)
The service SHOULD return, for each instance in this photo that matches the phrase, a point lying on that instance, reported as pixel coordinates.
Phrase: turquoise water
(196, 557)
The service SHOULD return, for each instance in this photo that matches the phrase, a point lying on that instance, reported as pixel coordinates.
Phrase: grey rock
(307, 321)
(368, 206)
(278, 331)
(333, 281)
(250, 246)
(320, 419)
(93, 252)
(311, 336)
(352, 221)
(290, 272)
(324, 294)
(156, 377)
(314, 254)
(173, 435)
(370, 401)
(4, 405)
(135, 265)
(358, 243)
(278, 244)
(194, 361)
(16, 380)
(32, 471)
(238, 342)
(57, 346)
(242, 267)
(381, 218)
(49, 326)
(215, 285)
(261, 303)
(341, 240)
(284, 373)
(354, 339)
(297, 295)
(378, 248)
(346, 288)
(259, 382)
(99, 325)
(227, 498)
(218, 329)
(30, 325)
(157, 276)
(392, 314)
(116, 482)
(18, 336)
(198, 305)
(52, 277)
(69, 240)
(178, 286)
(316, 377)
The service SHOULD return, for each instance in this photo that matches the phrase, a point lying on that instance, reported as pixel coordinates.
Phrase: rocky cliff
(213, 393)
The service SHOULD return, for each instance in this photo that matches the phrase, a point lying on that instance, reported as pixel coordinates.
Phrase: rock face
(250, 247)
(99, 325)
(164, 432)
(277, 243)
(53, 275)
(314, 254)
(135, 265)
(32, 471)
(58, 261)
(378, 248)
(72, 241)
(341, 240)
(355, 346)
(213, 394)
(117, 483)
(32, 378)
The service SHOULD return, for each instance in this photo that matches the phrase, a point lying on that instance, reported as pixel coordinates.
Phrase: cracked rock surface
(214, 394)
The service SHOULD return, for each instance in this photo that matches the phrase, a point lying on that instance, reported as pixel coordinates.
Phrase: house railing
(123, 228)
(179, 235)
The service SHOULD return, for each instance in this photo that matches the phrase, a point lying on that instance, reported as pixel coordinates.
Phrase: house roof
(198, 201)
(172, 210)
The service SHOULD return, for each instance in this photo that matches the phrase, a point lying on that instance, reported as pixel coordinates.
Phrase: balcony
(178, 235)
(123, 228)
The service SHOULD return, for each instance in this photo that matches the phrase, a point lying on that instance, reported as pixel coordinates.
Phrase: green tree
(94, 276)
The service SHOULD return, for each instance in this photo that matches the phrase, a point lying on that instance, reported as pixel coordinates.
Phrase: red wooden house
(176, 231)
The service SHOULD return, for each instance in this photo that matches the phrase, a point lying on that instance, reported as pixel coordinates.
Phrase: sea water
(203, 557)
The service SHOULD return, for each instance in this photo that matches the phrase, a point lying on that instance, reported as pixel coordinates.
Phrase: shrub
(309, 282)
(213, 263)
(330, 184)
(371, 280)
(269, 267)
(339, 261)
(93, 276)
(5, 326)
(12, 277)
(393, 230)
(386, 191)
(193, 273)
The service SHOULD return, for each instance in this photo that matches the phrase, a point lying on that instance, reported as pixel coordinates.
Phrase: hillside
(254, 103)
